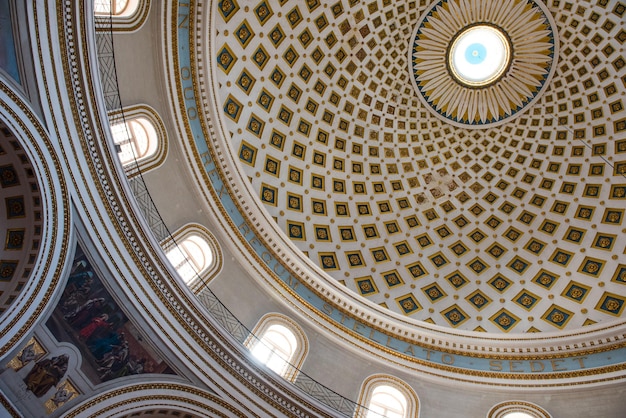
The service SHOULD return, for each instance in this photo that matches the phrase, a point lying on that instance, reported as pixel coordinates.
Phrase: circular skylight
(461, 59)
(517, 415)
(479, 55)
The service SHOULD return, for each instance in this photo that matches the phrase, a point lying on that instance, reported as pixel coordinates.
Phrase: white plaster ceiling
(512, 228)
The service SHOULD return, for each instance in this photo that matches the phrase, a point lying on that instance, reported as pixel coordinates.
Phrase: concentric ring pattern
(517, 227)
(528, 33)
(22, 215)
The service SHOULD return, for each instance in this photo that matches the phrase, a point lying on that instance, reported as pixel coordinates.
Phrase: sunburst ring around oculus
(480, 63)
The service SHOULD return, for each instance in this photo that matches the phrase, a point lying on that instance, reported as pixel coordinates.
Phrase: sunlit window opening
(118, 8)
(384, 396)
(136, 139)
(387, 402)
(276, 347)
(278, 342)
(517, 409)
(191, 257)
(479, 55)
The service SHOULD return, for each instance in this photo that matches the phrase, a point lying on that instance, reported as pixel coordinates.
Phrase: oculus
(477, 64)
(479, 55)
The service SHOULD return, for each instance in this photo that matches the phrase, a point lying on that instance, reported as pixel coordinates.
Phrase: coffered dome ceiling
(21, 215)
(495, 204)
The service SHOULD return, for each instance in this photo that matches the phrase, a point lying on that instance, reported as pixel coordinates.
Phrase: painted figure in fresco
(96, 324)
(101, 346)
(89, 317)
(46, 374)
(79, 266)
(85, 312)
(131, 366)
(76, 295)
(118, 353)
(79, 279)
(113, 361)
(138, 366)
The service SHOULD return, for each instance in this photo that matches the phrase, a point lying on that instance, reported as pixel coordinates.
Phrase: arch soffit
(56, 232)
(131, 399)
(502, 409)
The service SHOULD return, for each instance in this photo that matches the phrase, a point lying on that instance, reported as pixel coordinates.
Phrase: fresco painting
(88, 317)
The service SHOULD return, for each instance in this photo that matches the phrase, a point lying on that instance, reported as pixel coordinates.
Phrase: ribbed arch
(155, 399)
(386, 396)
(279, 343)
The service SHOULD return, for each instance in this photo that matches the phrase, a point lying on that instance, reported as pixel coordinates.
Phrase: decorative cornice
(144, 396)
(301, 284)
(168, 307)
(9, 407)
(19, 319)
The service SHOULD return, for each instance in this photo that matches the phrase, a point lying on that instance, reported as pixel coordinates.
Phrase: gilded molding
(115, 205)
(9, 407)
(57, 220)
(166, 393)
(212, 129)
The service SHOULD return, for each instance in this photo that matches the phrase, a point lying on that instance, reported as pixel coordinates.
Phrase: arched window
(386, 396)
(518, 409)
(136, 139)
(275, 348)
(388, 402)
(190, 257)
(139, 138)
(195, 254)
(125, 15)
(117, 8)
(280, 344)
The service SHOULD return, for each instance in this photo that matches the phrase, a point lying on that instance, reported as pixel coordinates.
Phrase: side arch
(154, 400)
(33, 273)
